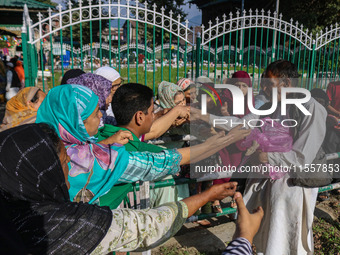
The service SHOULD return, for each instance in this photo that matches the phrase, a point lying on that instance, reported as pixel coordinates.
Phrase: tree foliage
(47, 2)
(313, 14)
(86, 31)
(168, 5)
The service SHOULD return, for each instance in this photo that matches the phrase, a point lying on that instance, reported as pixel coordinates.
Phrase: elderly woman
(73, 111)
(22, 108)
(114, 77)
(170, 95)
(35, 192)
(72, 73)
(103, 88)
(189, 89)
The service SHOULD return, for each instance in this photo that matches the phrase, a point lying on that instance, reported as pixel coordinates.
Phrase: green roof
(31, 4)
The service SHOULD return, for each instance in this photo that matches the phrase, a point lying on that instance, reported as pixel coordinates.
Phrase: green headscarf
(166, 94)
(75, 104)
(94, 167)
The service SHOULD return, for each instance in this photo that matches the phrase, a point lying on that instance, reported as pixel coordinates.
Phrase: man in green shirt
(132, 106)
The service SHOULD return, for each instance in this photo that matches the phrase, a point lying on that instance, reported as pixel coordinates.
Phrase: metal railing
(74, 37)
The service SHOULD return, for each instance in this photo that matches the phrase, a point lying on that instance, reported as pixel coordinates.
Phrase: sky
(194, 14)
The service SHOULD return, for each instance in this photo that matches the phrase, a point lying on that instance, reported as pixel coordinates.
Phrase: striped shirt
(146, 166)
(239, 246)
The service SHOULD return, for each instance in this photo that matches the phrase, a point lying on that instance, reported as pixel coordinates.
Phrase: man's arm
(162, 124)
(333, 111)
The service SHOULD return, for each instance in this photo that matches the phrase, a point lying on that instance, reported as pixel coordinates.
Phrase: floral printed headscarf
(65, 108)
(166, 94)
(98, 84)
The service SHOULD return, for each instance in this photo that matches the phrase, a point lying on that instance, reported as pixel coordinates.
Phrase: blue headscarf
(94, 168)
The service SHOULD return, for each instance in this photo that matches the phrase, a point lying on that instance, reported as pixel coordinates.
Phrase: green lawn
(153, 79)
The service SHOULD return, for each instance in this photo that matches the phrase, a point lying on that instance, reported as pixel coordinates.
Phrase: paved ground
(195, 239)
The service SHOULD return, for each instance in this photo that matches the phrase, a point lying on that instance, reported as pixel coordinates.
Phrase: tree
(85, 26)
(47, 2)
(313, 14)
(168, 5)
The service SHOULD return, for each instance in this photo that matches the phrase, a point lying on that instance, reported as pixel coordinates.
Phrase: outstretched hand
(121, 137)
(221, 191)
(247, 223)
(238, 133)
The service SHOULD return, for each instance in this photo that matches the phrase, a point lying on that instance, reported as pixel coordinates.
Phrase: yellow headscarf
(18, 112)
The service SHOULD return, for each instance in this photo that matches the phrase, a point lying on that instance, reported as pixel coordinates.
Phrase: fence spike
(250, 11)
(224, 17)
(262, 12)
(187, 23)
(39, 16)
(155, 6)
(256, 11)
(280, 15)
(291, 20)
(59, 7)
(162, 10)
(70, 5)
(210, 23)
(269, 12)
(171, 13)
(230, 15)
(217, 19)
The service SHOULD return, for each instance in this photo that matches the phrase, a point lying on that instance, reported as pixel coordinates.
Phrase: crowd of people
(12, 77)
(69, 157)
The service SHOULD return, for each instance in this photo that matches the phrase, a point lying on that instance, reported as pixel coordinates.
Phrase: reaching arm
(333, 111)
(140, 230)
(212, 145)
(147, 166)
(162, 124)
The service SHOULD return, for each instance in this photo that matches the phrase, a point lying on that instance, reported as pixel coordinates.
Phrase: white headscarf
(108, 73)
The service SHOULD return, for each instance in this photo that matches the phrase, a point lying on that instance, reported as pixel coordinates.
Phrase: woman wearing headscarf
(232, 155)
(22, 108)
(114, 77)
(170, 95)
(34, 187)
(73, 111)
(189, 89)
(102, 87)
(73, 73)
